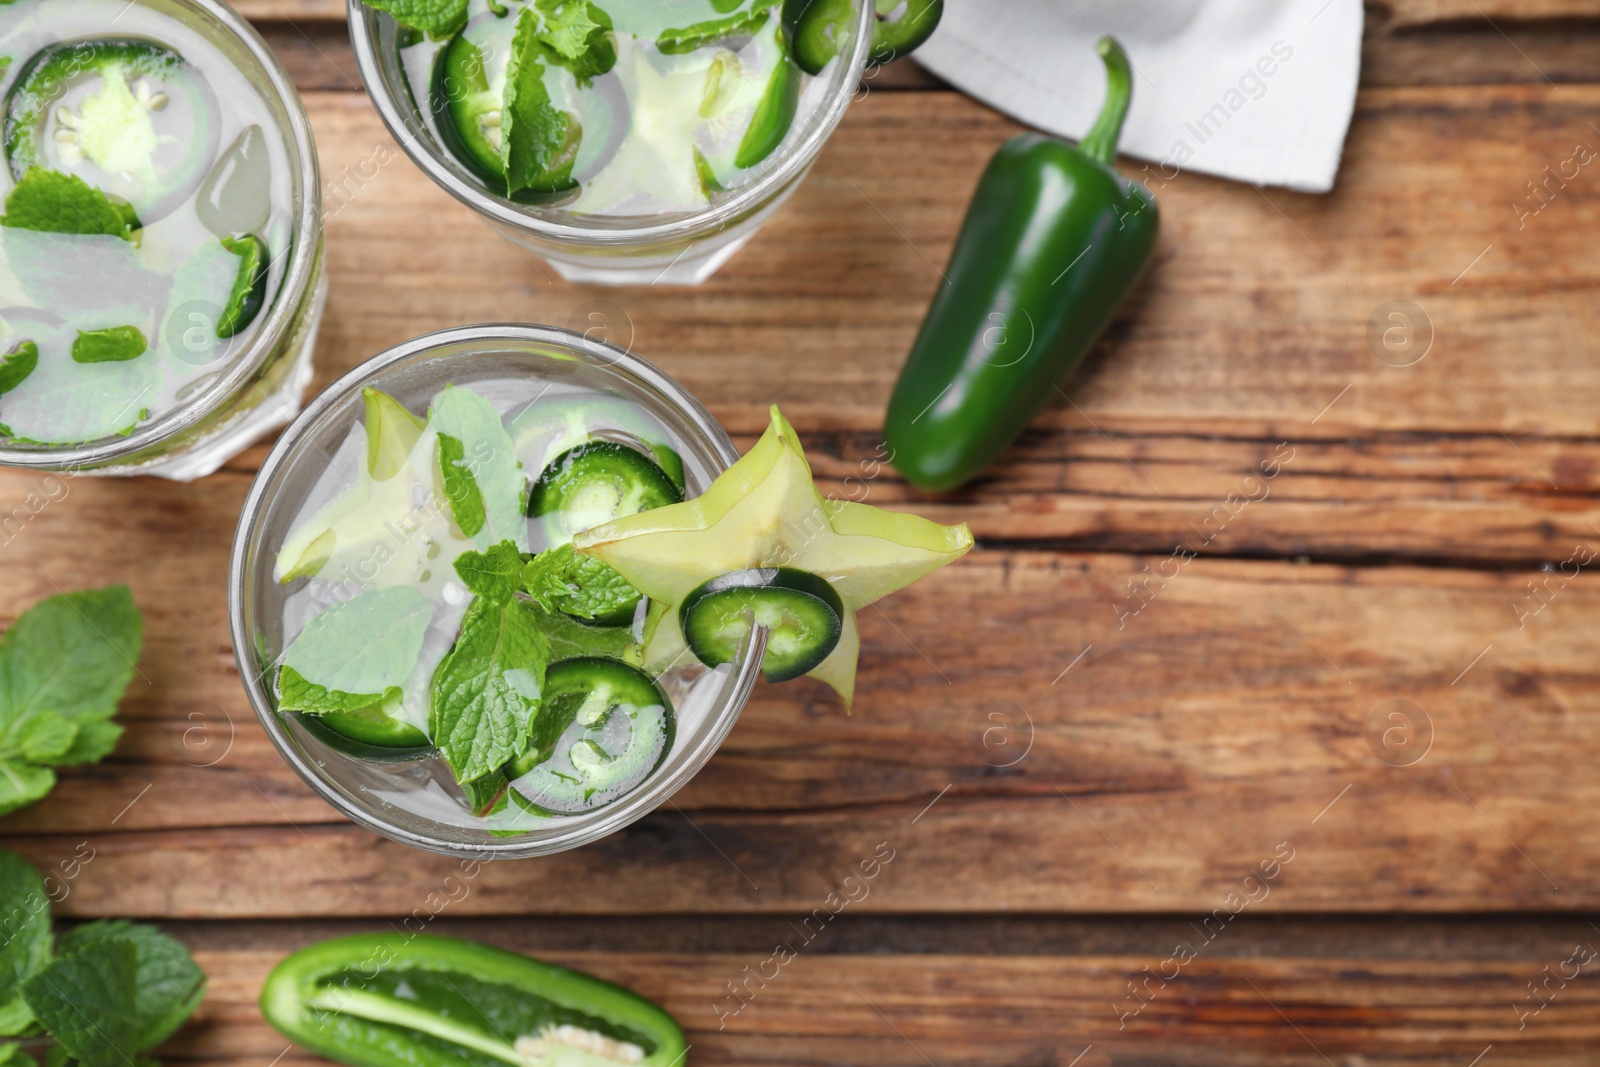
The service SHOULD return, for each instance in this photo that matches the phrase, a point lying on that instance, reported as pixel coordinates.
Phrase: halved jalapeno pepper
(377, 1000)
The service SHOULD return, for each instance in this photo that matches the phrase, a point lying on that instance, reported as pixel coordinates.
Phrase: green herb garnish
(460, 487)
(560, 580)
(437, 18)
(354, 654)
(113, 990)
(115, 345)
(17, 364)
(64, 665)
(52, 202)
(486, 691)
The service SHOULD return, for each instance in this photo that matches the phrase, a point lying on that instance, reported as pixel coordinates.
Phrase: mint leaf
(561, 580)
(71, 654)
(87, 1002)
(297, 694)
(95, 740)
(17, 364)
(23, 783)
(460, 487)
(39, 736)
(486, 690)
(486, 794)
(491, 459)
(437, 18)
(167, 984)
(577, 34)
(24, 938)
(368, 644)
(567, 26)
(115, 345)
(535, 148)
(52, 202)
(492, 574)
(570, 639)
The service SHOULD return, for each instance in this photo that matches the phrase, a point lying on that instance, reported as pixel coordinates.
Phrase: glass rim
(654, 791)
(794, 160)
(282, 317)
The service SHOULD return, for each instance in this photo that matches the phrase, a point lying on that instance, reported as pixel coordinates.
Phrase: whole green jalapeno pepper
(1053, 242)
(378, 1000)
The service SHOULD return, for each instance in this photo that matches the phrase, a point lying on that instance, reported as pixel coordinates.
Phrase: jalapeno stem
(1101, 141)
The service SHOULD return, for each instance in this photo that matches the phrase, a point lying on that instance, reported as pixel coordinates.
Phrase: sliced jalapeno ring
(594, 483)
(130, 116)
(603, 728)
(802, 613)
(820, 26)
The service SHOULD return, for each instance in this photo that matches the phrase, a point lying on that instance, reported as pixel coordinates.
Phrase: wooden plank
(1196, 734)
(1005, 1008)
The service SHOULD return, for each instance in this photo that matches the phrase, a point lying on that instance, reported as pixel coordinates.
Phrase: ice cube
(236, 196)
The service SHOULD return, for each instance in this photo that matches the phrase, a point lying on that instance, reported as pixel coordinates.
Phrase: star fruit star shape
(765, 511)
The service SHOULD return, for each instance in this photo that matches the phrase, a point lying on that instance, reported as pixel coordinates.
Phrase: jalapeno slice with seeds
(801, 612)
(130, 116)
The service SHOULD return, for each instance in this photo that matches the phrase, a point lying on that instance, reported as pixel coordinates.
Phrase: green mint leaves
(113, 990)
(484, 451)
(540, 141)
(487, 689)
(355, 652)
(25, 950)
(534, 130)
(115, 345)
(460, 487)
(560, 580)
(297, 694)
(52, 202)
(64, 665)
(437, 18)
(17, 364)
(493, 574)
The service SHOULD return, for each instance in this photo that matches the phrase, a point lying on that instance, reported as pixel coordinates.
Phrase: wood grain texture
(828, 1006)
(1220, 356)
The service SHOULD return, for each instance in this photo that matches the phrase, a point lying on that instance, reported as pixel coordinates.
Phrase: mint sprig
(437, 18)
(362, 647)
(64, 665)
(111, 991)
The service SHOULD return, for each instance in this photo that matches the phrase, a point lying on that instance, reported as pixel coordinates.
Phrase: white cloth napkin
(1258, 90)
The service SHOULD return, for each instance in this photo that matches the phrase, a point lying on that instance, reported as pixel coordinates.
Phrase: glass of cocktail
(160, 241)
(379, 602)
(624, 141)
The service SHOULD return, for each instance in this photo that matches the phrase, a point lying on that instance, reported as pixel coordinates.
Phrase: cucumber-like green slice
(249, 285)
(819, 26)
(602, 729)
(594, 483)
(802, 613)
(130, 115)
(775, 111)
(370, 734)
(465, 99)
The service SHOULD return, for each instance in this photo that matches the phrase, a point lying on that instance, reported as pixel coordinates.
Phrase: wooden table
(1070, 789)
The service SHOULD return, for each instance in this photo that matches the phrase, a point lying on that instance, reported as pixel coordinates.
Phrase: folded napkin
(1258, 90)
